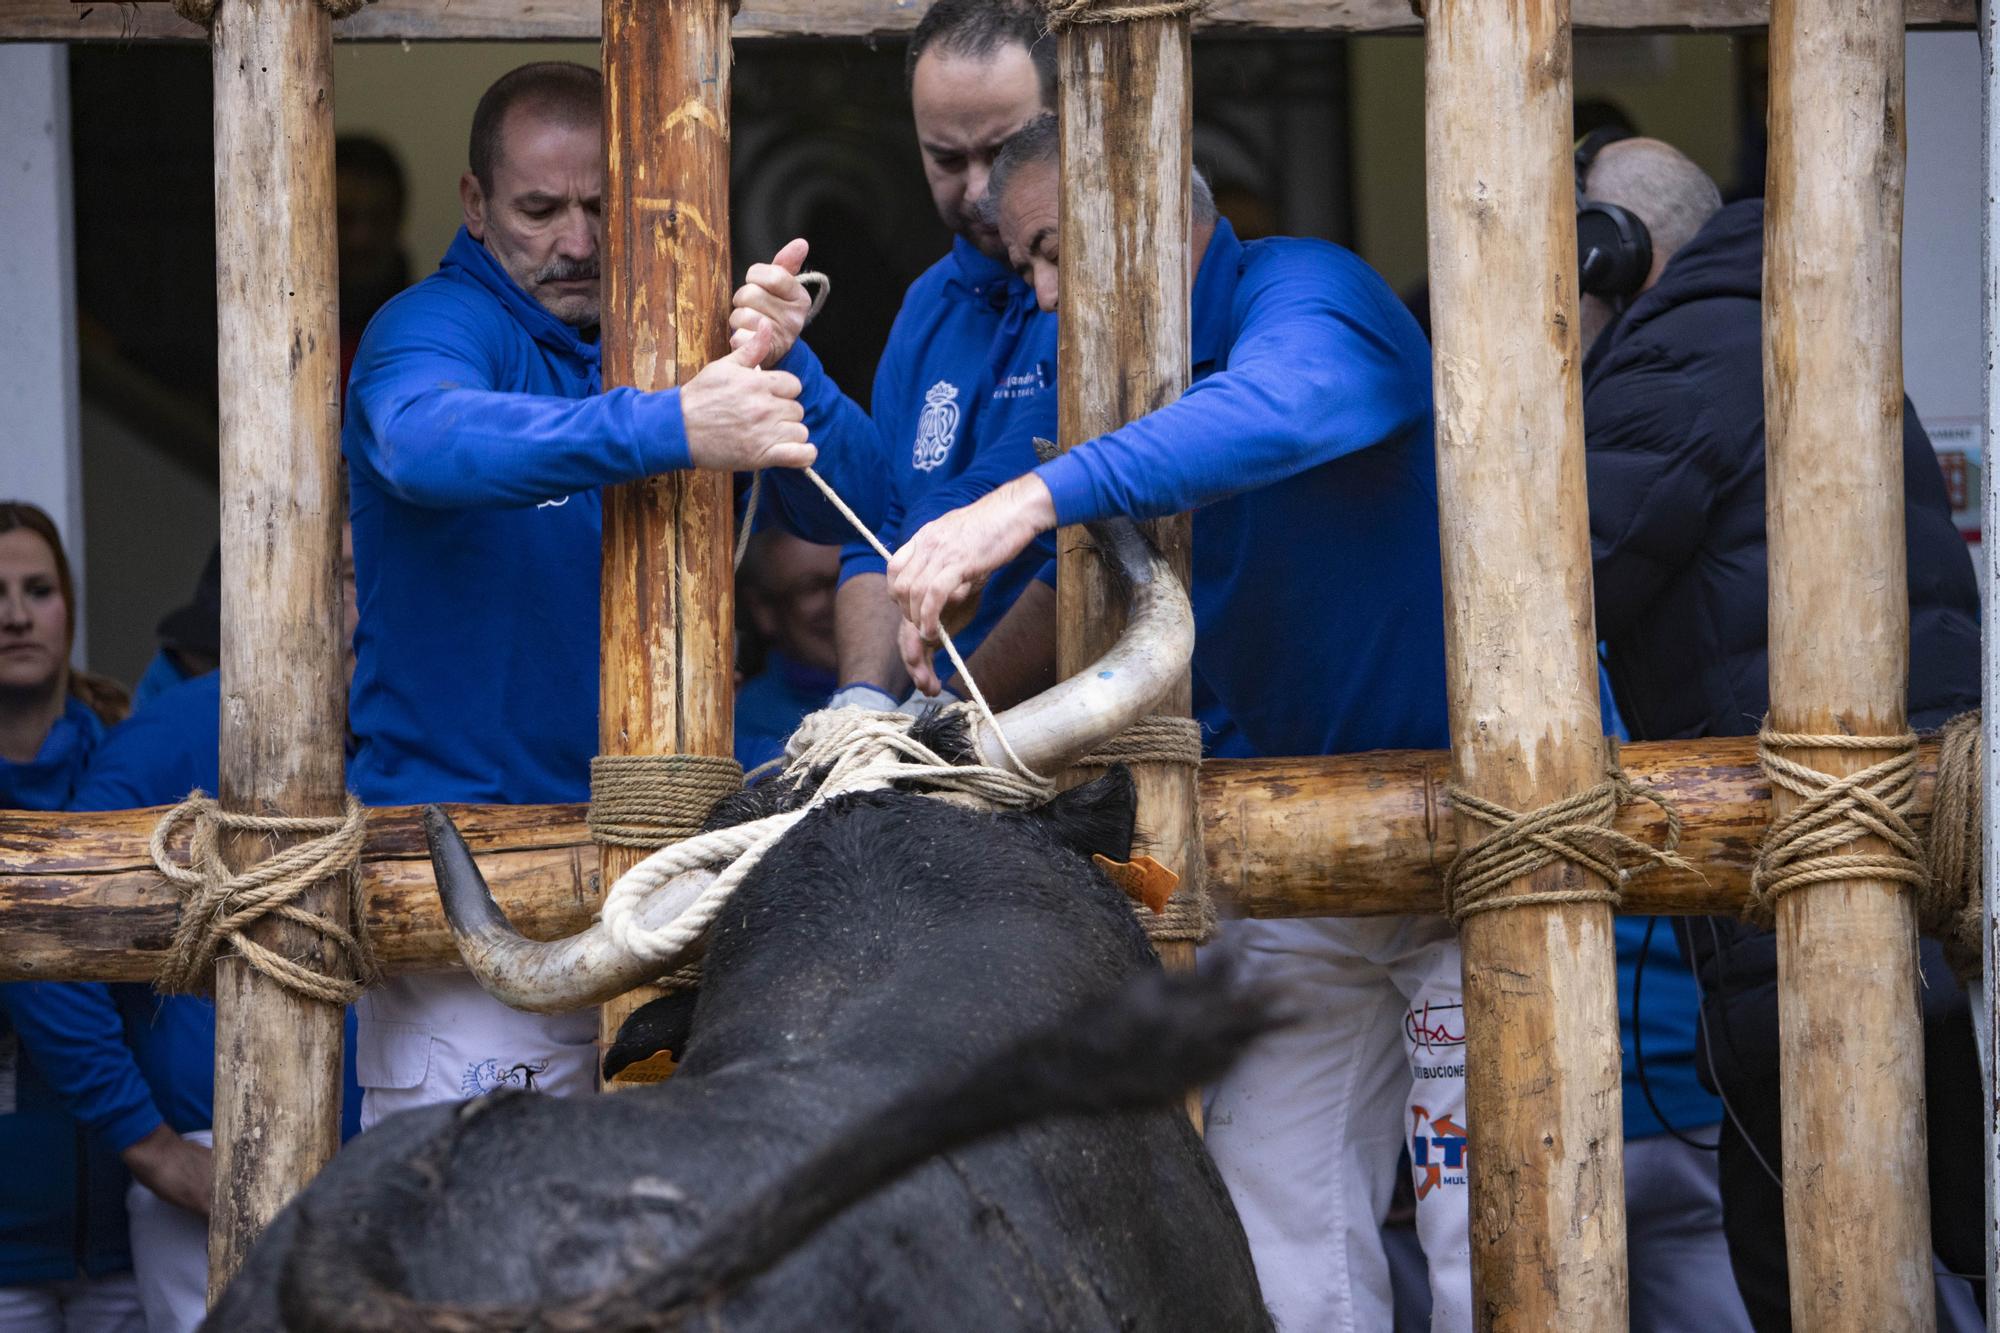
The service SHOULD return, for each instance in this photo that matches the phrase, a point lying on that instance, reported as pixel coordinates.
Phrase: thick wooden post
(1542, 1059)
(284, 709)
(1851, 1049)
(1126, 107)
(669, 596)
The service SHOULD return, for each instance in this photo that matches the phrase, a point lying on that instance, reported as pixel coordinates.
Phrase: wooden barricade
(1857, 1211)
(1126, 109)
(284, 727)
(667, 676)
(1542, 1068)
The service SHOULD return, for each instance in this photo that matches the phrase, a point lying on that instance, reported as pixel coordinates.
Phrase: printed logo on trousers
(1437, 1151)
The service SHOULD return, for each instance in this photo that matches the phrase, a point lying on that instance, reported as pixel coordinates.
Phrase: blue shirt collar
(47, 781)
(478, 263)
(1215, 295)
(980, 273)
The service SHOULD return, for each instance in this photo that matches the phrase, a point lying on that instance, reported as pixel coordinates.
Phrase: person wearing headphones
(1673, 414)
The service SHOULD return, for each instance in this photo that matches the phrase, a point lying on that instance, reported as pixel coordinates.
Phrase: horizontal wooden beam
(1348, 835)
(581, 20)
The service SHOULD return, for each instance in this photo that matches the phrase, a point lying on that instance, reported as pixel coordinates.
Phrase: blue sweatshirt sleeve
(850, 458)
(1308, 380)
(75, 1035)
(437, 433)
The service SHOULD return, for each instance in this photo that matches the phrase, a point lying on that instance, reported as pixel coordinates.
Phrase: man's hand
(178, 1170)
(772, 292)
(949, 559)
(739, 418)
(919, 657)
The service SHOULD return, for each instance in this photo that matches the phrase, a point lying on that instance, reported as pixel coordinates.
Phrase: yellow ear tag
(653, 1069)
(1143, 879)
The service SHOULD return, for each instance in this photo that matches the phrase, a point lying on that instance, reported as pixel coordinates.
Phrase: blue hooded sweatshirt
(477, 439)
(1304, 448)
(62, 1194)
(124, 1059)
(966, 383)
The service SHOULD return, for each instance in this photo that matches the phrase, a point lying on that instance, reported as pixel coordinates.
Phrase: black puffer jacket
(1673, 411)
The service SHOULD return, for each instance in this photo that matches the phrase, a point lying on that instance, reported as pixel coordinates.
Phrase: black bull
(928, 1084)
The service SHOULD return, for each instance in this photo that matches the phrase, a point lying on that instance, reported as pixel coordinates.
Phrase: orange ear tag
(653, 1069)
(1143, 879)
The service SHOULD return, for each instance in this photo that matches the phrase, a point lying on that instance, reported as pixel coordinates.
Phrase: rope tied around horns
(220, 905)
(1072, 13)
(1577, 829)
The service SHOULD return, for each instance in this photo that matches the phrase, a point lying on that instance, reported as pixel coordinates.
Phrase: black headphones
(1614, 251)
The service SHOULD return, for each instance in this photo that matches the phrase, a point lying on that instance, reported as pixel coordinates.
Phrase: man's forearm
(1017, 660)
(864, 632)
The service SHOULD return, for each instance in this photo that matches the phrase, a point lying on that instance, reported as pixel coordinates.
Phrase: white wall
(41, 461)
(1943, 352)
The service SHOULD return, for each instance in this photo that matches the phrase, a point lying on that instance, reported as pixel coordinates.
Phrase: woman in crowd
(65, 1262)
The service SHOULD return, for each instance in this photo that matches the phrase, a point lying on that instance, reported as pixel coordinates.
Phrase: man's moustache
(567, 272)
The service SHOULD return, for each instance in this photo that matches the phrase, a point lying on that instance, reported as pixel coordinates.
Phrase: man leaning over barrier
(477, 436)
(967, 380)
(1304, 449)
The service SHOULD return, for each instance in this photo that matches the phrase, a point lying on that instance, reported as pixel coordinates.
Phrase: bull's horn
(546, 978)
(1057, 726)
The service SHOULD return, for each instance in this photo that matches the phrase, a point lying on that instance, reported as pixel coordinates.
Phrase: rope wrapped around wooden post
(650, 801)
(1070, 13)
(1949, 903)
(219, 905)
(1190, 912)
(1805, 847)
(1577, 829)
(202, 12)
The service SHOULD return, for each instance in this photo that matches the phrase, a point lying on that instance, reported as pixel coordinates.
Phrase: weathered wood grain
(581, 20)
(1349, 835)
(666, 680)
(1851, 1050)
(1542, 1066)
(284, 699)
(1126, 102)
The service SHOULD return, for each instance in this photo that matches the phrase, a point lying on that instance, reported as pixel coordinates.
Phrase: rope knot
(1071, 13)
(219, 905)
(1577, 829)
(1805, 846)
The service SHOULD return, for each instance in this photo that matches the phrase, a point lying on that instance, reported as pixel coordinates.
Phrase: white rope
(861, 751)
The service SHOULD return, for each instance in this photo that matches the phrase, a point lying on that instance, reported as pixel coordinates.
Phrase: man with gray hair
(1304, 449)
(1673, 413)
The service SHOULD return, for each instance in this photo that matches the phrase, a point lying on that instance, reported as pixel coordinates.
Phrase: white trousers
(1307, 1127)
(169, 1256)
(436, 1037)
(79, 1305)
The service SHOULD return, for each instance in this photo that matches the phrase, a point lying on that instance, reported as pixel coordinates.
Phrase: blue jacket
(477, 439)
(771, 704)
(62, 1194)
(966, 383)
(122, 1058)
(1304, 447)
(1665, 1023)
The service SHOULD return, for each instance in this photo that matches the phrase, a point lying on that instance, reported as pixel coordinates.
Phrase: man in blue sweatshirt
(136, 1068)
(967, 380)
(1305, 450)
(477, 437)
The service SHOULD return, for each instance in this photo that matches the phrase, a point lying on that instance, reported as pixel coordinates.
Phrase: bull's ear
(656, 1027)
(1096, 819)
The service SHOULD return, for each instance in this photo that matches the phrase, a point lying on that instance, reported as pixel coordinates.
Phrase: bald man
(1673, 411)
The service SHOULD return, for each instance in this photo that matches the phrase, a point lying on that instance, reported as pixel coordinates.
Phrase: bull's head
(1048, 732)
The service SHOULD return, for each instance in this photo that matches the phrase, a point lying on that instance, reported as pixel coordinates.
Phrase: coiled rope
(220, 905)
(1577, 829)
